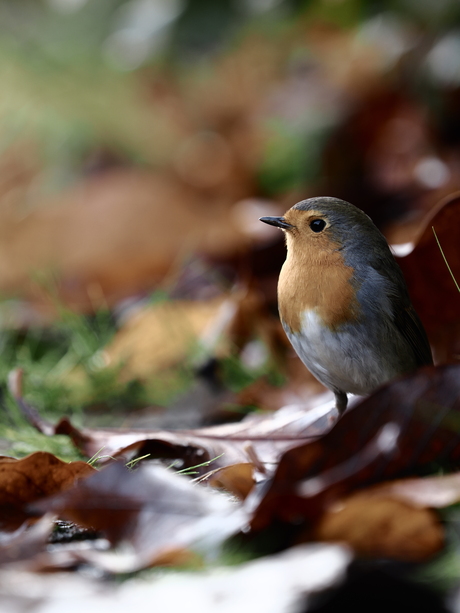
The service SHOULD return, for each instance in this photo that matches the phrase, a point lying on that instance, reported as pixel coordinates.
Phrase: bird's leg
(341, 401)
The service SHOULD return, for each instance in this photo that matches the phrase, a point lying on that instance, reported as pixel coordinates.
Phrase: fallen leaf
(165, 334)
(393, 519)
(155, 514)
(432, 289)
(436, 492)
(380, 526)
(258, 439)
(176, 331)
(401, 428)
(26, 542)
(35, 476)
(238, 479)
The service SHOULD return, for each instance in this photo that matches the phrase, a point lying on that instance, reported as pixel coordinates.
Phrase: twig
(445, 259)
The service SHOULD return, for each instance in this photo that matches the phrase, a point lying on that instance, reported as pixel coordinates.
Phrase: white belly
(348, 360)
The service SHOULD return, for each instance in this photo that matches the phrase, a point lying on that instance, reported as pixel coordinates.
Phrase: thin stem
(445, 259)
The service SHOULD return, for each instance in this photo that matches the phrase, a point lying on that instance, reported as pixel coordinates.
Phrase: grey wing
(408, 323)
(405, 316)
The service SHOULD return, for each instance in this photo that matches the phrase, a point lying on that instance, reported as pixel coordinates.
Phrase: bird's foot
(341, 401)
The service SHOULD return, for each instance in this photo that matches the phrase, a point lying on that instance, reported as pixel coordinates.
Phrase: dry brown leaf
(238, 479)
(35, 476)
(26, 542)
(157, 515)
(382, 527)
(393, 519)
(258, 439)
(402, 427)
(165, 334)
(432, 289)
(437, 492)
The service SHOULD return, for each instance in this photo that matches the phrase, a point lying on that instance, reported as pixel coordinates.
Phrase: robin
(343, 301)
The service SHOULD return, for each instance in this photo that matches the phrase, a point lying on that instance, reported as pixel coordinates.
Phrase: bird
(343, 300)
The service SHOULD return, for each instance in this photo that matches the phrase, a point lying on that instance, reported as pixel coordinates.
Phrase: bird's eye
(317, 225)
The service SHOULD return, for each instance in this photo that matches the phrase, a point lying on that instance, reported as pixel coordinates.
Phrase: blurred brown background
(135, 135)
(140, 141)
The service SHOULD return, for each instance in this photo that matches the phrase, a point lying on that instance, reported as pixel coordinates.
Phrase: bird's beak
(279, 222)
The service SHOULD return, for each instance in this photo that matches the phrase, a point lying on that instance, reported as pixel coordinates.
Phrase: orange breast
(316, 279)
